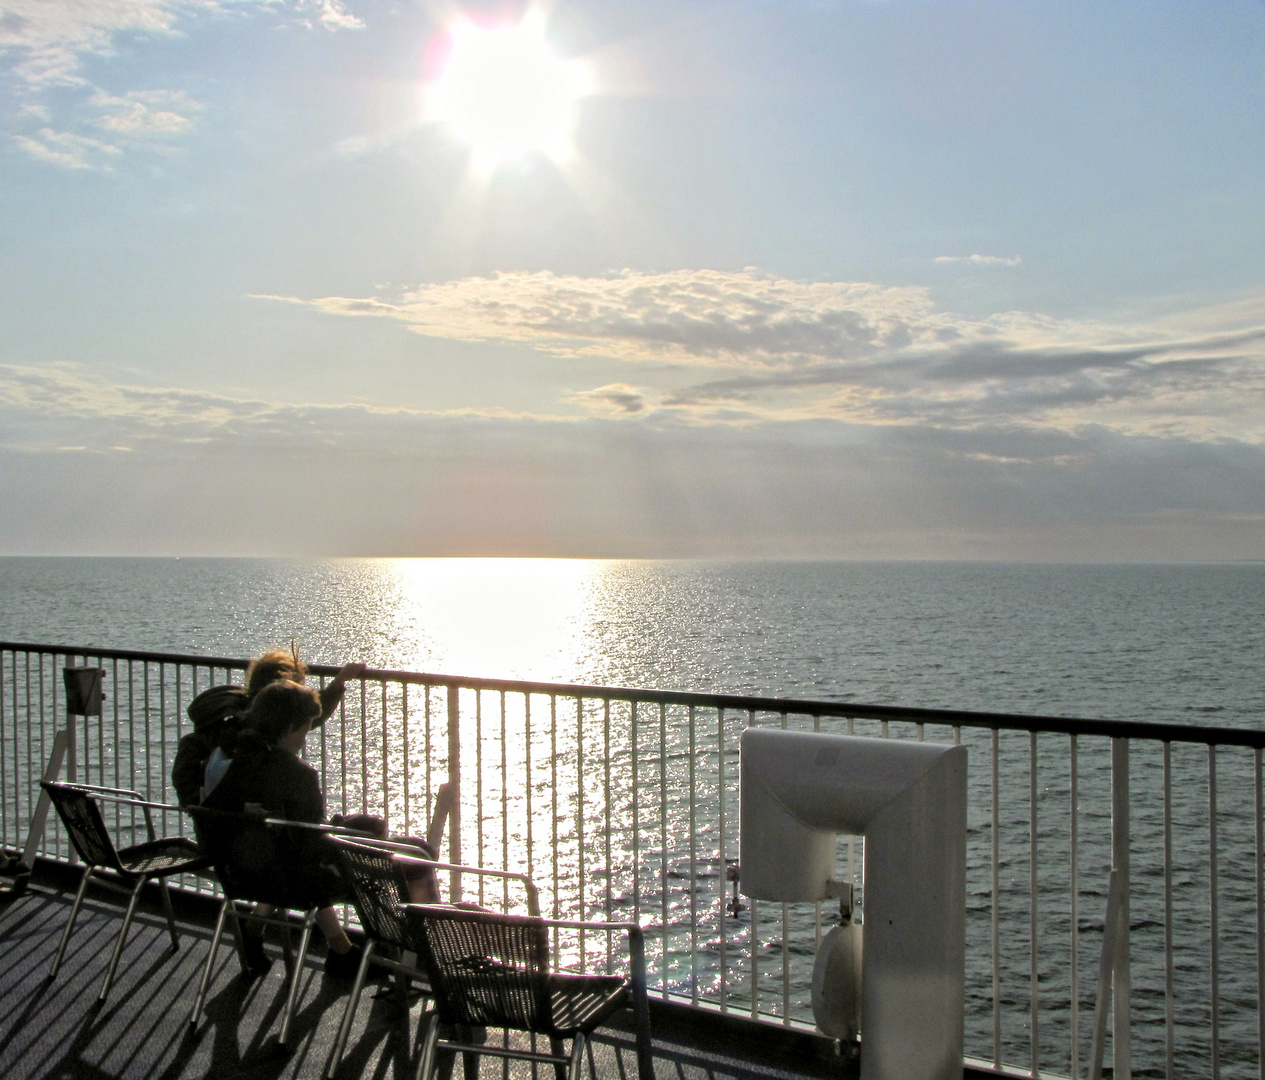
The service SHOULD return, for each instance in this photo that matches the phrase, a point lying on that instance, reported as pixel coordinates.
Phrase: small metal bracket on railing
(735, 905)
(842, 890)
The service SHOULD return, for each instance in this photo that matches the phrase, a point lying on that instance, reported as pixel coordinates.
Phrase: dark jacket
(291, 867)
(212, 711)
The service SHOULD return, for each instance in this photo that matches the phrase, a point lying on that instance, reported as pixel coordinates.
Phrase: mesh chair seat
(160, 858)
(583, 1002)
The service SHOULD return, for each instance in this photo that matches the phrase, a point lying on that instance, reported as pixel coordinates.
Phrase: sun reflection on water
(508, 618)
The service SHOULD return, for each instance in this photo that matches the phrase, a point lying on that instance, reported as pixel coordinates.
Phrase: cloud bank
(102, 467)
(776, 349)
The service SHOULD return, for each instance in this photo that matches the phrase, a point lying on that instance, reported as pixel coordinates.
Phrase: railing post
(1121, 981)
(454, 778)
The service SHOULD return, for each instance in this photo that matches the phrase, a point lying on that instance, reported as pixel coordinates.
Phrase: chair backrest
(379, 890)
(484, 968)
(256, 860)
(81, 815)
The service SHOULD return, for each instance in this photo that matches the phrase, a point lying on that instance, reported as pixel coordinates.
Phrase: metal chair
(493, 970)
(264, 880)
(375, 871)
(157, 859)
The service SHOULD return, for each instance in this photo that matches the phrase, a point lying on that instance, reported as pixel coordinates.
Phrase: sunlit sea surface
(1181, 643)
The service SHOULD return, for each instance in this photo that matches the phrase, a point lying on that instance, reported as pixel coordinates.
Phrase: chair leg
(344, 1029)
(210, 962)
(171, 915)
(118, 943)
(70, 922)
(426, 1064)
(296, 976)
(558, 1048)
(577, 1056)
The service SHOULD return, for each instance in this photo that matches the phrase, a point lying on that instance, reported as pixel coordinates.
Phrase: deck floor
(54, 1030)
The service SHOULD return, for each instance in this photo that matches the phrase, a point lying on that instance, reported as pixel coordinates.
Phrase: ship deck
(54, 1029)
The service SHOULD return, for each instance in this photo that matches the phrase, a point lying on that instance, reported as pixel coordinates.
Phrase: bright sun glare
(504, 91)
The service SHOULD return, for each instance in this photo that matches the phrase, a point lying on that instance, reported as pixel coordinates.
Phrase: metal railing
(622, 803)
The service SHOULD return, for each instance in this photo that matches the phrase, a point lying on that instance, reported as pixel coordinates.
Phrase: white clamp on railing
(799, 790)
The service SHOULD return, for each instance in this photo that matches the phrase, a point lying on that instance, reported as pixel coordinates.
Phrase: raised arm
(332, 693)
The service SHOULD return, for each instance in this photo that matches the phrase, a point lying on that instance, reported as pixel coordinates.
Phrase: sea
(1181, 644)
(1176, 643)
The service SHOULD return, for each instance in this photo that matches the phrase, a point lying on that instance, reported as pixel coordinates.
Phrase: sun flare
(503, 90)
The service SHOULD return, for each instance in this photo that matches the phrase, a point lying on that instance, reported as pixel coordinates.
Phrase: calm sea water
(1169, 643)
(1175, 643)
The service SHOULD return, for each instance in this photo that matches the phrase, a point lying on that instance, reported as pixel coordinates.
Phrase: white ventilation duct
(799, 790)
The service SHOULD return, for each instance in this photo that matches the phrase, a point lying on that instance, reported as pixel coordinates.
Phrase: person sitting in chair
(266, 777)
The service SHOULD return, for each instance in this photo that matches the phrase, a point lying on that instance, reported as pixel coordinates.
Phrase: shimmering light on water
(512, 618)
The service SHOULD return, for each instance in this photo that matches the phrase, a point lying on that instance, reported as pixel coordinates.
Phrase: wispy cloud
(67, 149)
(981, 260)
(854, 350)
(43, 44)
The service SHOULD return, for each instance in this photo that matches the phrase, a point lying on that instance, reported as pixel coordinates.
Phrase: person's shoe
(257, 961)
(343, 965)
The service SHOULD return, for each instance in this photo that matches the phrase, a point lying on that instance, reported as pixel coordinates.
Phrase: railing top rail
(1066, 725)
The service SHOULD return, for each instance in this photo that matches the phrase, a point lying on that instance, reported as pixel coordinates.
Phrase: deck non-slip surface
(54, 1029)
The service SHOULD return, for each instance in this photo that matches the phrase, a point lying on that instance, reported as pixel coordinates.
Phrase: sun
(504, 91)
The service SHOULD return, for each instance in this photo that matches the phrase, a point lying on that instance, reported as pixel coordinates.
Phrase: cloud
(854, 351)
(145, 112)
(43, 44)
(66, 149)
(982, 260)
(612, 399)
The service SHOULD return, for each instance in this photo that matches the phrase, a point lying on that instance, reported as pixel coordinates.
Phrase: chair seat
(159, 858)
(583, 1002)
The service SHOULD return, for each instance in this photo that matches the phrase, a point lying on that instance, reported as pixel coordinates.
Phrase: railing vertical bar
(162, 739)
(407, 765)
(364, 748)
(755, 929)
(505, 799)
(786, 956)
(1259, 824)
(608, 824)
(101, 760)
(149, 792)
(1169, 1033)
(4, 758)
(722, 859)
(454, 778)
(636, 801)
(663, 847)
(1033, 913)
(478, 788)
(1214, 933)
(386, 758)
(531, 865)
(996, 890)
(579, 824)
(1073, 766)
(1122, 979)
(553, 795)
(693, 861)
(817, 905)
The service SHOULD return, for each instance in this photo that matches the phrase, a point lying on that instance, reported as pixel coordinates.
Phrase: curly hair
(274, 665)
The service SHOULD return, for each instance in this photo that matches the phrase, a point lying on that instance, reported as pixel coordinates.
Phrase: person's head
(276, 665)
(282, 714)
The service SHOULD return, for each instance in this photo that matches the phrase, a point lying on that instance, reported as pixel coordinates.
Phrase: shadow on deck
(55, 1029)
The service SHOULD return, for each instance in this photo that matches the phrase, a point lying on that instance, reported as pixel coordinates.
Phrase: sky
(751, 279)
